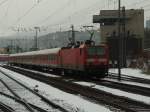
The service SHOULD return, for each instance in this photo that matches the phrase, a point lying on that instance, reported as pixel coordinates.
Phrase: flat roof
(103, 19)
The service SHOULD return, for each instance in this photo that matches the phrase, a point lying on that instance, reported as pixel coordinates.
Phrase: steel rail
(6, 108)
(125, 87)
(42, 97)
(16, 95)
(129, 78)
(21, 102)
(93, 94)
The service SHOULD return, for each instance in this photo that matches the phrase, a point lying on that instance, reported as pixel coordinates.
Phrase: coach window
(49, 57)
(52, 57)
(80, 51)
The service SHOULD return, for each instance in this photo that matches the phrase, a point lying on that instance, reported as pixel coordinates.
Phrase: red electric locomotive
(92, 60)
(87, 59)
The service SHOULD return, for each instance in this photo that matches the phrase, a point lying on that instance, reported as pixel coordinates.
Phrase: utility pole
(119, 40)
(35, 38)
(91, 32)
(124, 40)
(73, 34)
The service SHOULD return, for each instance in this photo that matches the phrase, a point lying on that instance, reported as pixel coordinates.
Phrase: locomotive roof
(40, 52)
(4, 54)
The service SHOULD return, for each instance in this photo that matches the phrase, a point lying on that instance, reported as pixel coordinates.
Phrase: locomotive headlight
(96, 61)
(90, 60)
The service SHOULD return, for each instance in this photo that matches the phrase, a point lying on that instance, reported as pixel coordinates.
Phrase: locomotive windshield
(96, 51)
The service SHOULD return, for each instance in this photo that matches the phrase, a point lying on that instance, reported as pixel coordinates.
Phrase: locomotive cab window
(96, 51)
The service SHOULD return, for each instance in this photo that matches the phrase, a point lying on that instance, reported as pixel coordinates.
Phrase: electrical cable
(74, 15)
(56, 12)
(27, 12)
(4, 1)
(6, 13)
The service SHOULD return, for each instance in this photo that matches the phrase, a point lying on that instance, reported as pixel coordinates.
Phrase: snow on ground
(118, 92)
(54, 94)
(131, 72)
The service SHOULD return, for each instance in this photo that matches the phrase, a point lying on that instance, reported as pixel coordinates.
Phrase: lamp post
(35, 38)
(119, 40)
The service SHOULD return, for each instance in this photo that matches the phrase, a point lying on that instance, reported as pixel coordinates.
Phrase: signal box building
(131, 31)
(148, 24)
(147, 35)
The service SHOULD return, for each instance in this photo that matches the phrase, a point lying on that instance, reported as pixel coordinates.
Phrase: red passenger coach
(44, 58)
(4, 58)
(84, 59)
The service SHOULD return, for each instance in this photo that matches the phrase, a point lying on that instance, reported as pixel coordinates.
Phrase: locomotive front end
(97, 60)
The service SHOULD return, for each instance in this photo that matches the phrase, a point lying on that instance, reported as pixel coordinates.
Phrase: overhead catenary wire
(65, 18)
(81, 12)
(57, 11)
(24, 15)
(78, 13)
(6, 13)
(4, 1)
(75, 16)
(61, 22)
(27, 12)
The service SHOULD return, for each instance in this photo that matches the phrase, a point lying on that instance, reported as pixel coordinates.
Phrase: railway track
(129, 78)
(145, 91)
(5, 108)
(116, 85)
(25, 96)
(124, 87)
(98, 96)
(20, 104)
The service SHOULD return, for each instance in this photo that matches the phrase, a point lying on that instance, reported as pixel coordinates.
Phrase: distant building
(147, 35)
(3, 50)
(147, 38)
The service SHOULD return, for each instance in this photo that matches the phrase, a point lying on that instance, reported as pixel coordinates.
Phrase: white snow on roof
(40, 52)
(4, 55)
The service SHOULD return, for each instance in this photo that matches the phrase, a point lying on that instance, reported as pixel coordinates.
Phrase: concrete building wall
(134, 23)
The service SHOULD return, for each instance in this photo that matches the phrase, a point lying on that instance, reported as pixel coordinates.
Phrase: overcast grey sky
(53, 14)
